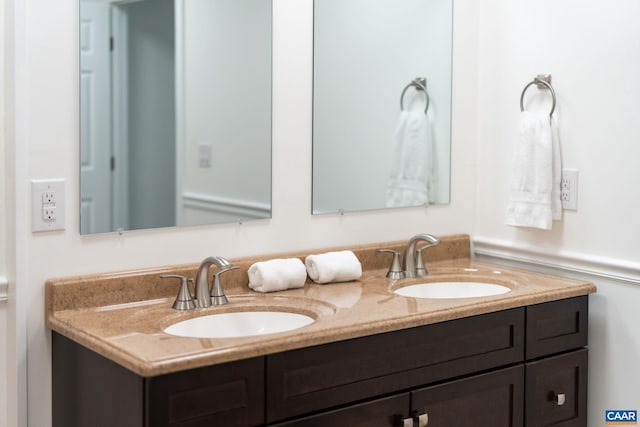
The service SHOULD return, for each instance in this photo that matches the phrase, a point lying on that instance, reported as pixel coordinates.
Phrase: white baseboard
(596, 266)
(239, 208)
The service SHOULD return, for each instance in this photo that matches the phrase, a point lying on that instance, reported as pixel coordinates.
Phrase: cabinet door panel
(378, 413)
(322, 377)
(558, 326)
(230, 394)
(549, 378)
(495, 399)
(91, 390)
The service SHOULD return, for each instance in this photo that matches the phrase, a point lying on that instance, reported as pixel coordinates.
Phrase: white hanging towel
(534, 198)
(412, 158)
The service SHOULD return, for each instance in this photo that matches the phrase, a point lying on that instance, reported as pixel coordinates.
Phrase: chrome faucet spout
(203, 288)
(409, 257)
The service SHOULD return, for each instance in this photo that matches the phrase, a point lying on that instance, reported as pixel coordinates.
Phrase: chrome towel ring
(542, 81)
(420, 83)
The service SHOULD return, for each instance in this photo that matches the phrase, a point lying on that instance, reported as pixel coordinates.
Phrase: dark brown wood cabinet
(523, 367)
(556, 390)
(493, 399)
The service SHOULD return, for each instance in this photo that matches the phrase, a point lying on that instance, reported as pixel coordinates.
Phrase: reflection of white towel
(340, 266)
(412, 158)
(277, 275)
(534, 199)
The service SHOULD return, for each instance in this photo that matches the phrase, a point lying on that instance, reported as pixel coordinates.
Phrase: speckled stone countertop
(122, 315)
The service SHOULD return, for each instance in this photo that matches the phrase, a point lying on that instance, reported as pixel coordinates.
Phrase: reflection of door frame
(181, 144)
(95, 118)
(120, 89)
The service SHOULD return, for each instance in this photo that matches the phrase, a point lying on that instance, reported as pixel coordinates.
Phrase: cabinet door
(229, 395)
(556, 391)
(494, 399)
(385, 412)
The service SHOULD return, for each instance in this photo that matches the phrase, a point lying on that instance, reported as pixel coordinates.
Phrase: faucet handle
(217, 294)
(395, 271)
(421, 270)
(184, 300)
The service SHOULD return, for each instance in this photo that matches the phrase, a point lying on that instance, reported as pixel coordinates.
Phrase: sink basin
(239, 324)
(440, 290)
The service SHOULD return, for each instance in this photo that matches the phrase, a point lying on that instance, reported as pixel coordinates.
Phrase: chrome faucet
(413, 258)
(206, 294)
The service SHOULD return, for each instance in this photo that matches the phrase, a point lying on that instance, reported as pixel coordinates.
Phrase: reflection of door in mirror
(367, 153)
(95, 117)
(128, 115)
(175, 112)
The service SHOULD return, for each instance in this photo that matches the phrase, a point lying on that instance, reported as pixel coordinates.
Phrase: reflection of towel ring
(542, 81)
(420, 83)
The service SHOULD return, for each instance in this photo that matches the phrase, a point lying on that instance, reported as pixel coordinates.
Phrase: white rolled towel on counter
(340, 266)
(277, 275)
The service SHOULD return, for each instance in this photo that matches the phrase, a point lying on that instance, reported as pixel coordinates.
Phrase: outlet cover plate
(53, 189)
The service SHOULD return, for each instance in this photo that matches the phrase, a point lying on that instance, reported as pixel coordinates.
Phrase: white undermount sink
(439, 290)
(239, 324)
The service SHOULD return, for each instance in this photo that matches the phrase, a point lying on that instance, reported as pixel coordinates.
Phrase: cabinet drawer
(494, 399)
(330, 375)
(556, 391)
(557, 326)
(231, 394)
(378, 413)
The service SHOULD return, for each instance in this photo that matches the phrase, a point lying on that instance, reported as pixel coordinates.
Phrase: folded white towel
(534, 200)
(412, 156)
(277, 275)
(340, 266)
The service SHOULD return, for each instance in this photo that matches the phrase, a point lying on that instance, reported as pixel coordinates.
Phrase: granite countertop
(122, 315)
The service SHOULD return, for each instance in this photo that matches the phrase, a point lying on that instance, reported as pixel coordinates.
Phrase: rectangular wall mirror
(175, 113)
(371, 56)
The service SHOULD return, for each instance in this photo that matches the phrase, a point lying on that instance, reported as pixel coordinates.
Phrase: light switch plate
(47, 204)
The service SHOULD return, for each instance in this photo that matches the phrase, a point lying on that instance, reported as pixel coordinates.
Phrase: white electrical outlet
(569, 189)
(49, 214)
(47, 204)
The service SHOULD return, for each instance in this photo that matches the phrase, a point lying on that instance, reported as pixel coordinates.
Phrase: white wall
(365, 53)
(3, 239)
(592, 49)
(46, 145)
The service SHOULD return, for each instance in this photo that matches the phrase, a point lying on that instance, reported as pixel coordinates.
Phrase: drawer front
(326, 376)
(556, 391)
(385, 412)
(557, 326)
(230, 395)
(495, 399)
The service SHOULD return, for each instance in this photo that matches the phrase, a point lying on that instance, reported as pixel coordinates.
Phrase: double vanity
(372, 352)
